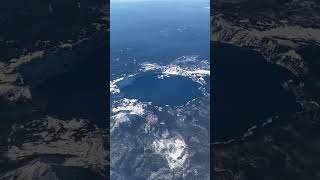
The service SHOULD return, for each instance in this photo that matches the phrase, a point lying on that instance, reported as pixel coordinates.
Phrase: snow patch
(130, 106)
(114, 89)
(150, 67)
(174, 150)
(116, 84)
(151, 120)
(187, 66)
(118, 119)
(123, 109)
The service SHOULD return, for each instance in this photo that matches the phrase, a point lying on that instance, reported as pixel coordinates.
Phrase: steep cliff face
(52, 89)
(287, 35)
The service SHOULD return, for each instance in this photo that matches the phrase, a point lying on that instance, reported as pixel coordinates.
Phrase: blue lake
(174, 90)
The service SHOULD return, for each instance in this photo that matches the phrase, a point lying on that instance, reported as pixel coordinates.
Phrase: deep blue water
(174, 90)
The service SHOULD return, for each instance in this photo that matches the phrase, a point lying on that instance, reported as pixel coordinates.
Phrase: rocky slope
(287, 34)
(52, 55)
